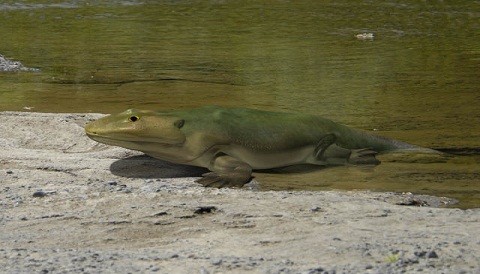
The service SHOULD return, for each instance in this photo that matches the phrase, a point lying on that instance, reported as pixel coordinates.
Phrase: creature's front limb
(227, 171)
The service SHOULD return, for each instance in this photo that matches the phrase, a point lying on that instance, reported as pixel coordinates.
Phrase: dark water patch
(126, 81)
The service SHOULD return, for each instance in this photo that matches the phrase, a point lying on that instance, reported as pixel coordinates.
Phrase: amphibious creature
(231, 142)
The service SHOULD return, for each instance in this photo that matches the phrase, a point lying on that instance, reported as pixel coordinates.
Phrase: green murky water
(417, 80)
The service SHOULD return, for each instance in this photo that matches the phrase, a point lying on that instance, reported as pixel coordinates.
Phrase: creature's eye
(133, 118)
(179, 123)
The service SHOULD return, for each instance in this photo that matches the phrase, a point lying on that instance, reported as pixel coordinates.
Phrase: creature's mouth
(127, 142)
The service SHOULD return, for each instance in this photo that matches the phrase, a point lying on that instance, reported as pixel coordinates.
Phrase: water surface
(416, 80)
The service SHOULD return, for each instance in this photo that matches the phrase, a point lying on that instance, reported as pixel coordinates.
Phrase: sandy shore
(69, 204)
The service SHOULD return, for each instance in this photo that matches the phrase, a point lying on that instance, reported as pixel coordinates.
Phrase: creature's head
(137, 129)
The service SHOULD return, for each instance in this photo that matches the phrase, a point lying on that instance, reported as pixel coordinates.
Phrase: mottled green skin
(233, 141)
(265, 130)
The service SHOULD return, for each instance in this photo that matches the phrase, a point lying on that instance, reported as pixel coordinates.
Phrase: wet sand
(72, 205)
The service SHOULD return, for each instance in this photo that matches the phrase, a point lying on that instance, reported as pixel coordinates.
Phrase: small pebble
(204, 271)
(112, 183)
(216, 261)
(9, 172)
(420, 254)
(205, 209)
(39, 194)
(316, 270)
(432, 255)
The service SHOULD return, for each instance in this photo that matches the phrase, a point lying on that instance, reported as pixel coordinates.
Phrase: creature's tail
(358, 139)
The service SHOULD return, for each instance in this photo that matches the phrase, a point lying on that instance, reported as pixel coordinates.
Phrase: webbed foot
(227, 171)
(364, 156)
(213, 179)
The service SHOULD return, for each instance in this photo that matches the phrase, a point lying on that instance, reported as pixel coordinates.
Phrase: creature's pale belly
(270, 159)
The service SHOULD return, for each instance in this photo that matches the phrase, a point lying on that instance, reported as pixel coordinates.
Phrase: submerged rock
(365, 36)
(9, 65)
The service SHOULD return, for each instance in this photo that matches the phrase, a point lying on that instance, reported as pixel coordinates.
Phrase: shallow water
(416, 80)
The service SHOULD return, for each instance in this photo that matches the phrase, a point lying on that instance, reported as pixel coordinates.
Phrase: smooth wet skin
(231, 142)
